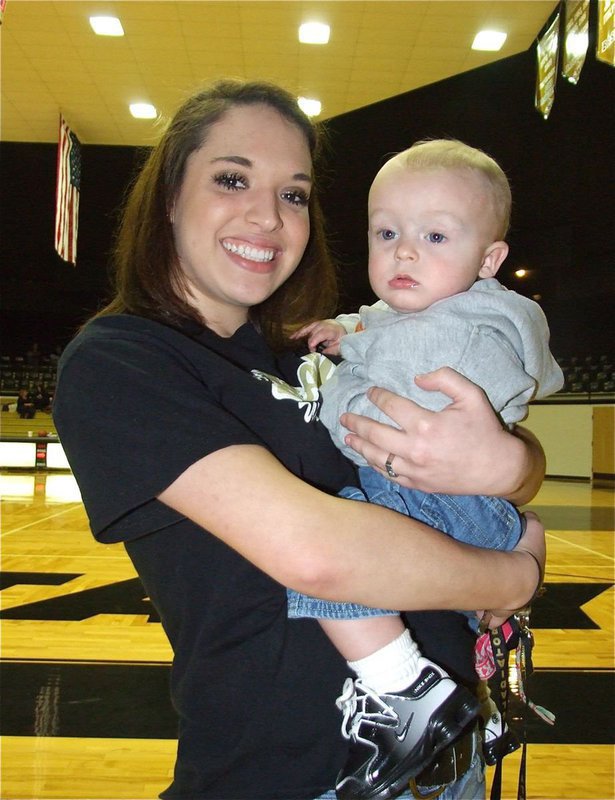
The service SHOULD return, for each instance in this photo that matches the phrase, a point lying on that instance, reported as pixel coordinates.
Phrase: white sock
(392, 668)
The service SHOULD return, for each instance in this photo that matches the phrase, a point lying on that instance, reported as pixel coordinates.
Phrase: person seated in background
(42, 398)
(25, 404)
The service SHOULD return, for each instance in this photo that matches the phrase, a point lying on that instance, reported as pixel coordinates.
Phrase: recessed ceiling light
(488, 40)
(143, 111)
(310, 107)
(107, 26)
(314, 33)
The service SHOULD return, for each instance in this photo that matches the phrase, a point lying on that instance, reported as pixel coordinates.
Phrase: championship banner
(577, 39)
(605, 42)
(546, 52)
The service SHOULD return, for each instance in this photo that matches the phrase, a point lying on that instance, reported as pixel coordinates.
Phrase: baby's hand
(324, 336)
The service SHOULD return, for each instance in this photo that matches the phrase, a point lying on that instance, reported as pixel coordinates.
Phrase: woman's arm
(463, 449)
(341, 549)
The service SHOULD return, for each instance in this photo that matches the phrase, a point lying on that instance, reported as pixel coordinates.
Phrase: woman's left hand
(492, 620)
(463, 449)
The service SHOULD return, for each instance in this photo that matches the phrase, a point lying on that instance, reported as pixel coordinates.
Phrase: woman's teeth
(251, 253)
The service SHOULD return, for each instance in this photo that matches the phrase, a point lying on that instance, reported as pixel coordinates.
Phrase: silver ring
(389, 467)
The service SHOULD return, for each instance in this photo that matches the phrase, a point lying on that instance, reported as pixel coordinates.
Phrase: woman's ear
(492, 259)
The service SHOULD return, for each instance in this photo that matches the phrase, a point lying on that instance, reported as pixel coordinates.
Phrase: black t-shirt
(136, 404)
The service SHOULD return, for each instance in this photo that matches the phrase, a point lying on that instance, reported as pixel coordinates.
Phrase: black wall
(561, 170)
(44, 299)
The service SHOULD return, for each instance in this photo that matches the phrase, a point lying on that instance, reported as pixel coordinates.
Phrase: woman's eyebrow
(246, 162)
(243, 162)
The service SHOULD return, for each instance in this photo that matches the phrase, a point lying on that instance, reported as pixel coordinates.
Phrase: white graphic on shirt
(313, 372)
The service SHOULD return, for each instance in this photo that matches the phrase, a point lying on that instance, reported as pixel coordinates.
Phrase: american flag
(67, 193)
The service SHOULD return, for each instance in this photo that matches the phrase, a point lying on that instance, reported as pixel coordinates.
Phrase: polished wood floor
(85, 712)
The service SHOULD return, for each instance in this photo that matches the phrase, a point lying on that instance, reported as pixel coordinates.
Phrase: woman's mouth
(250, 252)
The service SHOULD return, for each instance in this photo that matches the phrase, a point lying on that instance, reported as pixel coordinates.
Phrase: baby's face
(431, 234)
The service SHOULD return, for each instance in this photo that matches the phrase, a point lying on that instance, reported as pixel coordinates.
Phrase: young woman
(223, 486)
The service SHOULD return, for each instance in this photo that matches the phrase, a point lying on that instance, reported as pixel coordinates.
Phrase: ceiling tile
(52, 59)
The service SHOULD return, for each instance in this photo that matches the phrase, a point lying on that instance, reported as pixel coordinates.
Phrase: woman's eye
(296, 197)
(232, 181)
(436, 238)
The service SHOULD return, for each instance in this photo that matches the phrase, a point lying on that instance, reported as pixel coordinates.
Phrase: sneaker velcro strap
(453, 762)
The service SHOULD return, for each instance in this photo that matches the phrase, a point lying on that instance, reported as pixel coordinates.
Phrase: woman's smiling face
(241, 220)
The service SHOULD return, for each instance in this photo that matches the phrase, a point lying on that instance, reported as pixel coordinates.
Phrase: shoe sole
(458, 712)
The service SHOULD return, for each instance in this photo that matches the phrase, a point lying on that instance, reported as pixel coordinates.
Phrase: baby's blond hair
(453, 154)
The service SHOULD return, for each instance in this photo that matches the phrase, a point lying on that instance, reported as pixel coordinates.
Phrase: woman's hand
(463, 449)
(533, 543)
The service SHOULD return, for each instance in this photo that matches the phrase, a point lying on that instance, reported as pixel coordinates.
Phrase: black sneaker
(393, 737)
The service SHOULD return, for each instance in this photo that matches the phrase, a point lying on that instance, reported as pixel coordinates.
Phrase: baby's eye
(296, 197)
(435, 238)
(232, 181)
(387, 234)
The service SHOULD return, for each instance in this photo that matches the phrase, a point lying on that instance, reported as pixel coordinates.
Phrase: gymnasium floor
(85, 666)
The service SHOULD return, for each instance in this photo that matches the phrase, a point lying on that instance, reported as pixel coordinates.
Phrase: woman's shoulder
(126, 325)
(109, 331)
(112, 347)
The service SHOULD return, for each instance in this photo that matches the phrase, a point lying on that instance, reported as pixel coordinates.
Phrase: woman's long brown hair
(148, 278)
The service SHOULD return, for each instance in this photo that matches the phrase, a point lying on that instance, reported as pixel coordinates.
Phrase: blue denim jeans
(475, 519)
(481, 521)
(470, 786)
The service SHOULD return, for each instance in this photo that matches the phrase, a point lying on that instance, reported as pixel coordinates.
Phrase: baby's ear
(492, 259)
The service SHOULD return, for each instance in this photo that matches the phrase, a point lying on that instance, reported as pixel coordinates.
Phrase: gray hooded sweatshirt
(492, 335)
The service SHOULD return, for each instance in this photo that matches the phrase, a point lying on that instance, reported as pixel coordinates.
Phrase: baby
(438, 215)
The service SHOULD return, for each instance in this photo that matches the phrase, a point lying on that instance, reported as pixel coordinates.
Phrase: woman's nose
(263, 210)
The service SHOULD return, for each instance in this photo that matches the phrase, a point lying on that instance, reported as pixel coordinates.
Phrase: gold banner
(605, 43)
(577, 38)
(546, 52)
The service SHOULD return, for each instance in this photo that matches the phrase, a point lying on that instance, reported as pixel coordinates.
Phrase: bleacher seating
(17, 373)
(13, 427)
(587, 378)
(592, 376)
